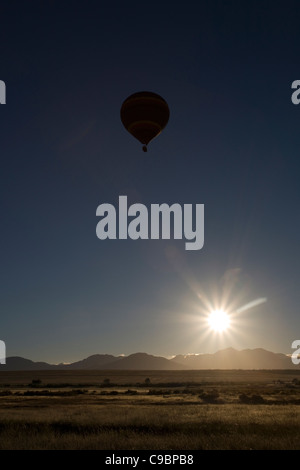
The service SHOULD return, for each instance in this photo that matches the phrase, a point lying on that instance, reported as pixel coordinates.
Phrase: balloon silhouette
(144, 115)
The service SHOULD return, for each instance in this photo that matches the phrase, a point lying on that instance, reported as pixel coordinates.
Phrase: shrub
(35, 383)
(210, 397)
(131, 392)
(251, 399)
(5, 393)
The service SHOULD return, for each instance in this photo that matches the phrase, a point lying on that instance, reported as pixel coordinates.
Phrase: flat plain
(157, 410)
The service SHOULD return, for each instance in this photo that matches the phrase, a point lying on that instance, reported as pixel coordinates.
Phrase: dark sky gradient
(232, 143)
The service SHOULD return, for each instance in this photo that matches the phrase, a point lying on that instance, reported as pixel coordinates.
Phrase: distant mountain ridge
(232, 359)
(224, 359)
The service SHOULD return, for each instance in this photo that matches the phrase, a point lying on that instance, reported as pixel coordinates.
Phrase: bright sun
(219, 321)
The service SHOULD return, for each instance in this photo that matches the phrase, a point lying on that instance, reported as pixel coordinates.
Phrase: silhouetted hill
(232, 359)
(19, 363)
(225, 359)
(142, 361)
(97, 361)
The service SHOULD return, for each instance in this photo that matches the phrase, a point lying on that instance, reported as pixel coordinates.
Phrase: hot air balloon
(144, 115)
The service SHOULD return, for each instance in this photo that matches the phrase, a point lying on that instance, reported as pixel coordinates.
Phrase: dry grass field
(163, 410)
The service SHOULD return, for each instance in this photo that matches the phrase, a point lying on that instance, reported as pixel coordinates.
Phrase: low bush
(210, 397)
(251, 399)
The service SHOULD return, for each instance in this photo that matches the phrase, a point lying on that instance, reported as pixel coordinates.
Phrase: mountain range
(224, 359)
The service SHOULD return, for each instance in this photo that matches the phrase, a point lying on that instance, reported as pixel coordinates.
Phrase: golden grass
(168, 427)
(174, 419)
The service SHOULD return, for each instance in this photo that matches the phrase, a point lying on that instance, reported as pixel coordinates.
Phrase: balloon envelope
(145, 115)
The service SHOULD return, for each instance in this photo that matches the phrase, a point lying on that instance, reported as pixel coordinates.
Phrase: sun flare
(219, 321)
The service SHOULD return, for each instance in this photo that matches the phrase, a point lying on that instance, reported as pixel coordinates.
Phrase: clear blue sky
(232, 144)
